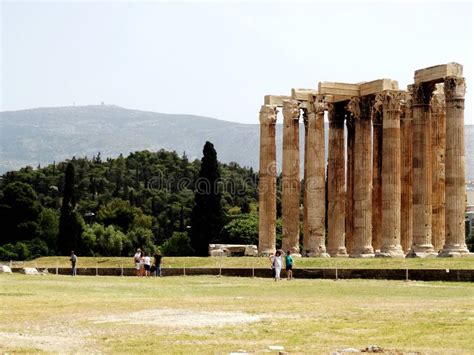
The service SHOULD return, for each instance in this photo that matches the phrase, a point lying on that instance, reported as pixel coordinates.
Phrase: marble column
(362, 208)
(291, 176)
(422, 171)
(336, 181)
(350, 126)
(438, 140)
(455, 242)
(267, 182)
(406, 141)
(314, 179)
(377, 176)
(391, 178)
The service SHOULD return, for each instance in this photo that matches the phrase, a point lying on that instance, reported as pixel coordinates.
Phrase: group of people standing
(143, 265)
(277, 263)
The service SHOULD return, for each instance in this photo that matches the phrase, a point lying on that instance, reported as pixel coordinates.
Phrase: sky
(218, 59)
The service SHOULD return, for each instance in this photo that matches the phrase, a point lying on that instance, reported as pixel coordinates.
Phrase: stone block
(275, 100)
(30, 271)
(303, 94)
(336, 98)
(338, 89)
(437, 73)
(376, 86)
(4, 269)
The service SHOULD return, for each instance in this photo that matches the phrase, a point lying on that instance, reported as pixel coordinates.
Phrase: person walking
(289, 265)
(136, 260)
(276, 264)
(73, 260)
(157, 258)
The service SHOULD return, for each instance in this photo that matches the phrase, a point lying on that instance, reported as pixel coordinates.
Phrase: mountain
(44, 135)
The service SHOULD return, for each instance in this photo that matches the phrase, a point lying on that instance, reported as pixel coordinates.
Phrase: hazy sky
(218, 59)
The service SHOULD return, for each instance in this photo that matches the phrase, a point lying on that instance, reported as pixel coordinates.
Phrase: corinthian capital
(268, 114)
(421, 93)
(377, 106)
(454, 88)
(291, 110)
(354, 107)
(392, 100)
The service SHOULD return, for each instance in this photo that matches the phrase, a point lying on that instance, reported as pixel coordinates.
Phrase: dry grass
(220, 315)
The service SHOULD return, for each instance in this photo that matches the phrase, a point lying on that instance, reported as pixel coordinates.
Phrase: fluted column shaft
(422, 174)
(377, 181)
(406, 213)
(438, 139)
(350, 125)
(391, 179)
(455, 244)
(362, 174)
(291, 176)
(314, 192)
(336, 182)
(267, 182)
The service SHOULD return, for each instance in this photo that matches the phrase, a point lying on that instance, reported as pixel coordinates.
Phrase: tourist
(158, 258)
(276, 264)
(73, 260)
(146, 264)
(141, 264)
(289, 265)
(136, 260)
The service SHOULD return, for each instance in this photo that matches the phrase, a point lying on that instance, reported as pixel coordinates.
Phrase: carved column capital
(454, 88)
(353, 107)
(317, 104)
(392, 100)
(268, 114)
(377, 105)
(291, 110)
(421, 93)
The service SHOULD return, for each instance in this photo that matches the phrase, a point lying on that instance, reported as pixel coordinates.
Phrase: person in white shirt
(136, 260)
(276, 264)
(147, 264)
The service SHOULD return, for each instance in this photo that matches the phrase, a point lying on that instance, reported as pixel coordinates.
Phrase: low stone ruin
(232, 250)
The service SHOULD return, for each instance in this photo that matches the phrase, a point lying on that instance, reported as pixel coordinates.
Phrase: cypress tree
(70, 226)
(207, 217)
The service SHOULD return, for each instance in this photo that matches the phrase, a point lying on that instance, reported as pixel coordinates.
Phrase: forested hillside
(142, 200)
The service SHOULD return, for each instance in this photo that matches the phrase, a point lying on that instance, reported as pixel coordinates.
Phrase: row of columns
(393, 199)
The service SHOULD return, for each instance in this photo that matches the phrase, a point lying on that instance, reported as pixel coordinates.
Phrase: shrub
(178, 245)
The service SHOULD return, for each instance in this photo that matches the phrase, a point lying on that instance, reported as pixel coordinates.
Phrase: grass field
(429, 263)
(205, 314)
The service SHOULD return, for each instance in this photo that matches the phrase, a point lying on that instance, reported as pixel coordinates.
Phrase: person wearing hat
(136, 259)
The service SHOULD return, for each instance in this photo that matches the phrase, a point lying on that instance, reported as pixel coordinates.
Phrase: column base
(338, 253)
(422, 251)
(364, 252)
(454, 251)
(267, 252)
(394, 251)
(318, 255)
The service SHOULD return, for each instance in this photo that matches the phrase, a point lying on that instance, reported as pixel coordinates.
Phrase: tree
(207, 217)
(241, 230)
(70, 223)
(19, 212)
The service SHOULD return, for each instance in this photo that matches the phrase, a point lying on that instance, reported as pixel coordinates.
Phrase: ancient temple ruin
(395, 174)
